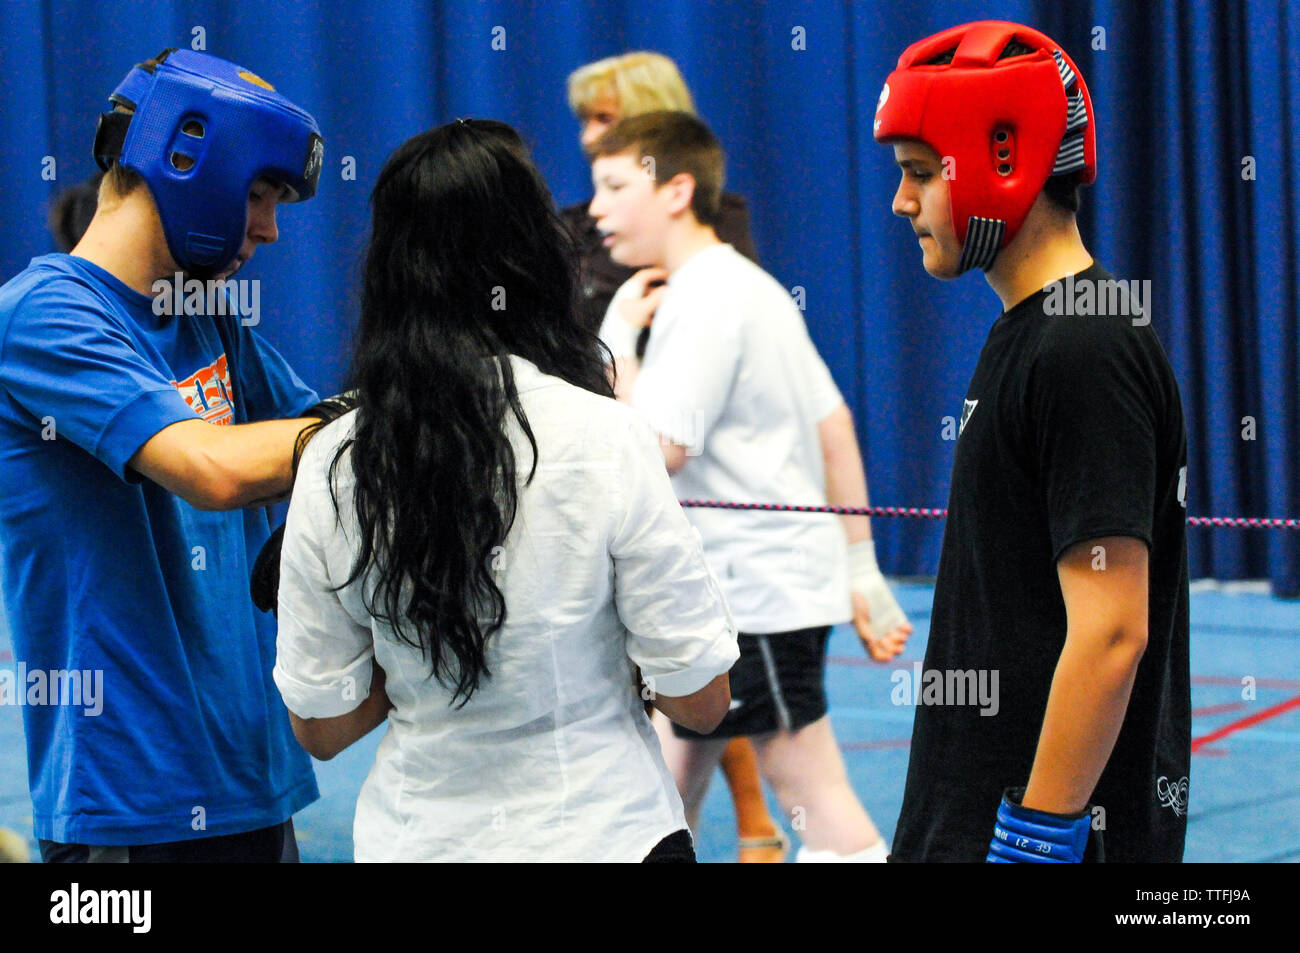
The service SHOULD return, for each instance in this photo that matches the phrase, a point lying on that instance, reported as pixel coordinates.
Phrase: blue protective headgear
(202, 131)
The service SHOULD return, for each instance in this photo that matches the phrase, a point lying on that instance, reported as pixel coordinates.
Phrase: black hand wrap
(264, 585)
(332, 408)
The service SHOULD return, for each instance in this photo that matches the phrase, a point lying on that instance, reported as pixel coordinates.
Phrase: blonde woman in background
(600, 94)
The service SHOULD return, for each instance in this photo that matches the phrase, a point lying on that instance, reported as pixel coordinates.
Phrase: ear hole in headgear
(194, 129)
(181, 162)
(1003, 151)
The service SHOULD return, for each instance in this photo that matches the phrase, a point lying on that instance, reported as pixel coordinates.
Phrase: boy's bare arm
(846, 480)
(880, 622)
(222, 468)
(1106, 612)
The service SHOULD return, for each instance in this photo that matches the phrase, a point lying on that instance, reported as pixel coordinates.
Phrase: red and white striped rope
(919, 512)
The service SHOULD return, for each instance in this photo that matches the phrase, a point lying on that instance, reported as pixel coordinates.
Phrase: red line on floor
(1239, 724)
(1217, 709)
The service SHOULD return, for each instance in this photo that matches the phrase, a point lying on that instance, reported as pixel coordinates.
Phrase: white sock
(875, 854)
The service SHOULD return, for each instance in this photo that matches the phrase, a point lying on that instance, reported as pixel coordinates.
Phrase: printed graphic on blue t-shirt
(208, 391)
(110, 576)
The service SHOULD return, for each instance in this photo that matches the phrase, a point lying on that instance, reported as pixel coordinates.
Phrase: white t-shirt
(553, 758)
(731, 374)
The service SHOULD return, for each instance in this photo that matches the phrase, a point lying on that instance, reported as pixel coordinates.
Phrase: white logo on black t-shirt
(1172, 794)
(966, 411)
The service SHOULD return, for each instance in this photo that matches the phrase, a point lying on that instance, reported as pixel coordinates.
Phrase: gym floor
(1245, 781)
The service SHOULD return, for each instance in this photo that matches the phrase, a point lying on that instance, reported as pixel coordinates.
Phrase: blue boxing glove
(1025, 836)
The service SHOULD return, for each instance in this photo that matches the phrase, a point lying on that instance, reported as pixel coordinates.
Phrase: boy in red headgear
(1063, 577)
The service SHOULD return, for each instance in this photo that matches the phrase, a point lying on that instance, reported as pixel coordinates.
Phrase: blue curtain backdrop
(1197, 192)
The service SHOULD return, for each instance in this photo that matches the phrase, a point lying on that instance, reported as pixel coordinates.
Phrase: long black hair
(468, 263)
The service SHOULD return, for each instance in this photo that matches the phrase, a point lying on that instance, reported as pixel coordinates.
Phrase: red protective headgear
(1007, 124)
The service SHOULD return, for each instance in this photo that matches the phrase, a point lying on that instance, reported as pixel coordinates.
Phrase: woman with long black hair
(484, 550)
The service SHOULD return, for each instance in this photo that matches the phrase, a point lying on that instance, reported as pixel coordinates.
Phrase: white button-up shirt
(553, 758)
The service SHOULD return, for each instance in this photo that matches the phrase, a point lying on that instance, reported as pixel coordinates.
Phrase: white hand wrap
(865, 577)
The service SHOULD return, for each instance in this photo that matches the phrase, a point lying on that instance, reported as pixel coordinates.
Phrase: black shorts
(676, 848)
(778, 684)
(276, 844)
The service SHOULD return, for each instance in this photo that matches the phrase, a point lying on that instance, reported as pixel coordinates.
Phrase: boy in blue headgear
(132, 464)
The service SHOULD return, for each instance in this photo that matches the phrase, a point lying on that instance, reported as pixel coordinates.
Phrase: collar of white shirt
(527, 376)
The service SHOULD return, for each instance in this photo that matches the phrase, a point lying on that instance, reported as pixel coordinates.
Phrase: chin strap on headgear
(1007, 118)
(200, 131)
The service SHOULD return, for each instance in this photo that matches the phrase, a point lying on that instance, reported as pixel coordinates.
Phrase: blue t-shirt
(108, 574)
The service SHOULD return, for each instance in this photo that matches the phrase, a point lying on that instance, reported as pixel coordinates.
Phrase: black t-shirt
(1072, 430)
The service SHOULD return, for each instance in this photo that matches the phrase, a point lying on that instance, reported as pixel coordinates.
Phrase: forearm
(323, 738)
(846, 485)
(255, 461)
(625, 374)
(846, 480)
(1085, 711)
(702, 711)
